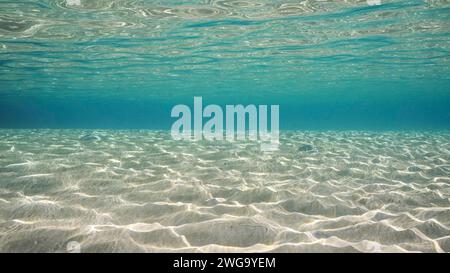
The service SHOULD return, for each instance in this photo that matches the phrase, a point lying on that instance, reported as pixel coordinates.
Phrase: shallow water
(143, 191)
(363, 93)
(124, 64)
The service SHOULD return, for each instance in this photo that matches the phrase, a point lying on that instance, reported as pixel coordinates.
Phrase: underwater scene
(120, 126)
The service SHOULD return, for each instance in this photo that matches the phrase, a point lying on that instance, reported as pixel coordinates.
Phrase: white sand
(142, 191)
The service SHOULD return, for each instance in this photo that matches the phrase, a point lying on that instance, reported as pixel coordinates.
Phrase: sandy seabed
(141, 191)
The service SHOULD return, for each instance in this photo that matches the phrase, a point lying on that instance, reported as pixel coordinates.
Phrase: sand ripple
(141, 191)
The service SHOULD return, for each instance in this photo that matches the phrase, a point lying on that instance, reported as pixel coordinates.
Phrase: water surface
(124, 64)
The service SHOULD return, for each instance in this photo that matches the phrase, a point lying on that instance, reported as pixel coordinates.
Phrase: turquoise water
(363, 161)
(124, 64)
